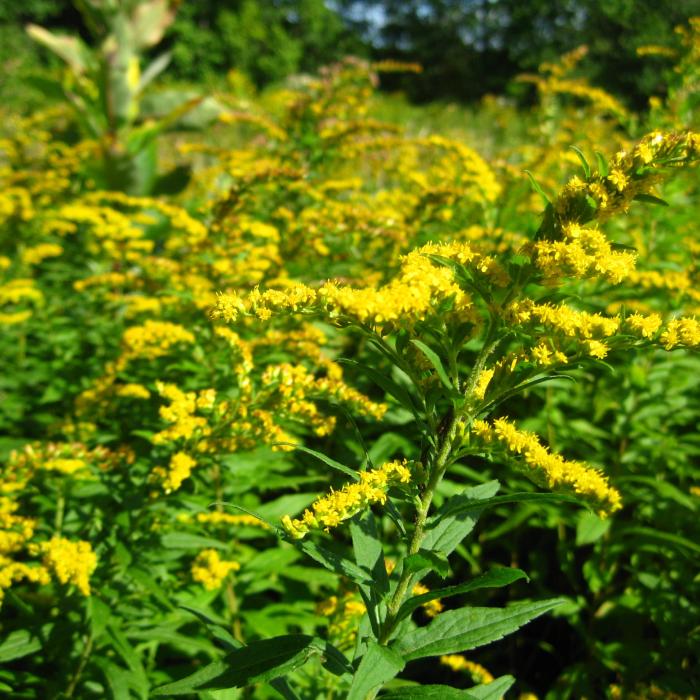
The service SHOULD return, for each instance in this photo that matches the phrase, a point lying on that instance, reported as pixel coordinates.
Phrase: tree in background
(470, 47)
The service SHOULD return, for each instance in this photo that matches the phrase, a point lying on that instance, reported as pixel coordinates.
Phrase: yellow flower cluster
(632, 173)
(432, 607)
(180, 413)
(583, 252)
(70, 562)
(548, 468)
(210, 570)
(151, 340)
(417, 292)
(295, 385)
(16, 292)
(343, 613)
(458, 663)
(563, 319)
(217, 519)
(681, 332)
(38, 253)
(338, 506)
(179, 469)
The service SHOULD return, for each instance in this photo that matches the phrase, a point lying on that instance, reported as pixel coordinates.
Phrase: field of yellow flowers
(252, 410)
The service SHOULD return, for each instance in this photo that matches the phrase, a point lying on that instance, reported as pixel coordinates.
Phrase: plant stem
(437, 472)
(84, 656)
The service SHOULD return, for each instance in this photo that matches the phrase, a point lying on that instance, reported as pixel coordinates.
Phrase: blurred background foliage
(467, 47)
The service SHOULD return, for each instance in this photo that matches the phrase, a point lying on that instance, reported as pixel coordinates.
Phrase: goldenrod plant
(363, 411)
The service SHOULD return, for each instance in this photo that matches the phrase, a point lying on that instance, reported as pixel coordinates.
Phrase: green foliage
(304, 489)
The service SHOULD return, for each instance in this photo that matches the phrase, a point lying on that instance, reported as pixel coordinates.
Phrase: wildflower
(554, 470)
(210, 570)
(180, 468)
(69, 562)
(338, 506)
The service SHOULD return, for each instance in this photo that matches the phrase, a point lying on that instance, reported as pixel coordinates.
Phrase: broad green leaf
(428, 692)
(590, 528)
(379, 665)
(119, 680)
(457, 518)
(494, 690)
(427, 559)
(496, 578)
(435, 361)
(369, 554)
(122, 646)
(258, 662)
(455, 631)
(18, 644)
(334, 562)
(71, 49)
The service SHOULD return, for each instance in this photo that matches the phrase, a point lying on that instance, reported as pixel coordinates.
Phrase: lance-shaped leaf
(457, 518)
(379, 665)
(428, 692)
(495, 578)
(333, 562)
(369, 556)
(494, 690)
(71, 49)
(455, 631)
(259, 662)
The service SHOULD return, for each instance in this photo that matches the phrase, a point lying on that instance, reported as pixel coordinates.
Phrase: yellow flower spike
(338, 506)
(553, 469)
(210, 570)
(458, 663)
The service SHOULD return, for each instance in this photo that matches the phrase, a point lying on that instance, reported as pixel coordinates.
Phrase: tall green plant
(104, 85)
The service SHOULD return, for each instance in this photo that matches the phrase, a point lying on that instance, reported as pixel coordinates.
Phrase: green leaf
(435, 361)
(333, 562)
(650, 199)
(584, 162)
(602, 164)
(537, 188)
(590, 528)
(457, 518)
(379, 665)
(494, 690)
(352, 473)
(185, 540)
(496, 578)
(369, 556)
(216, 629)
(258, 662)
(18, 644)
(71, 49)
(390, 386)
(455, 631)
(427, 559)
(428, 692)
(650, 533)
